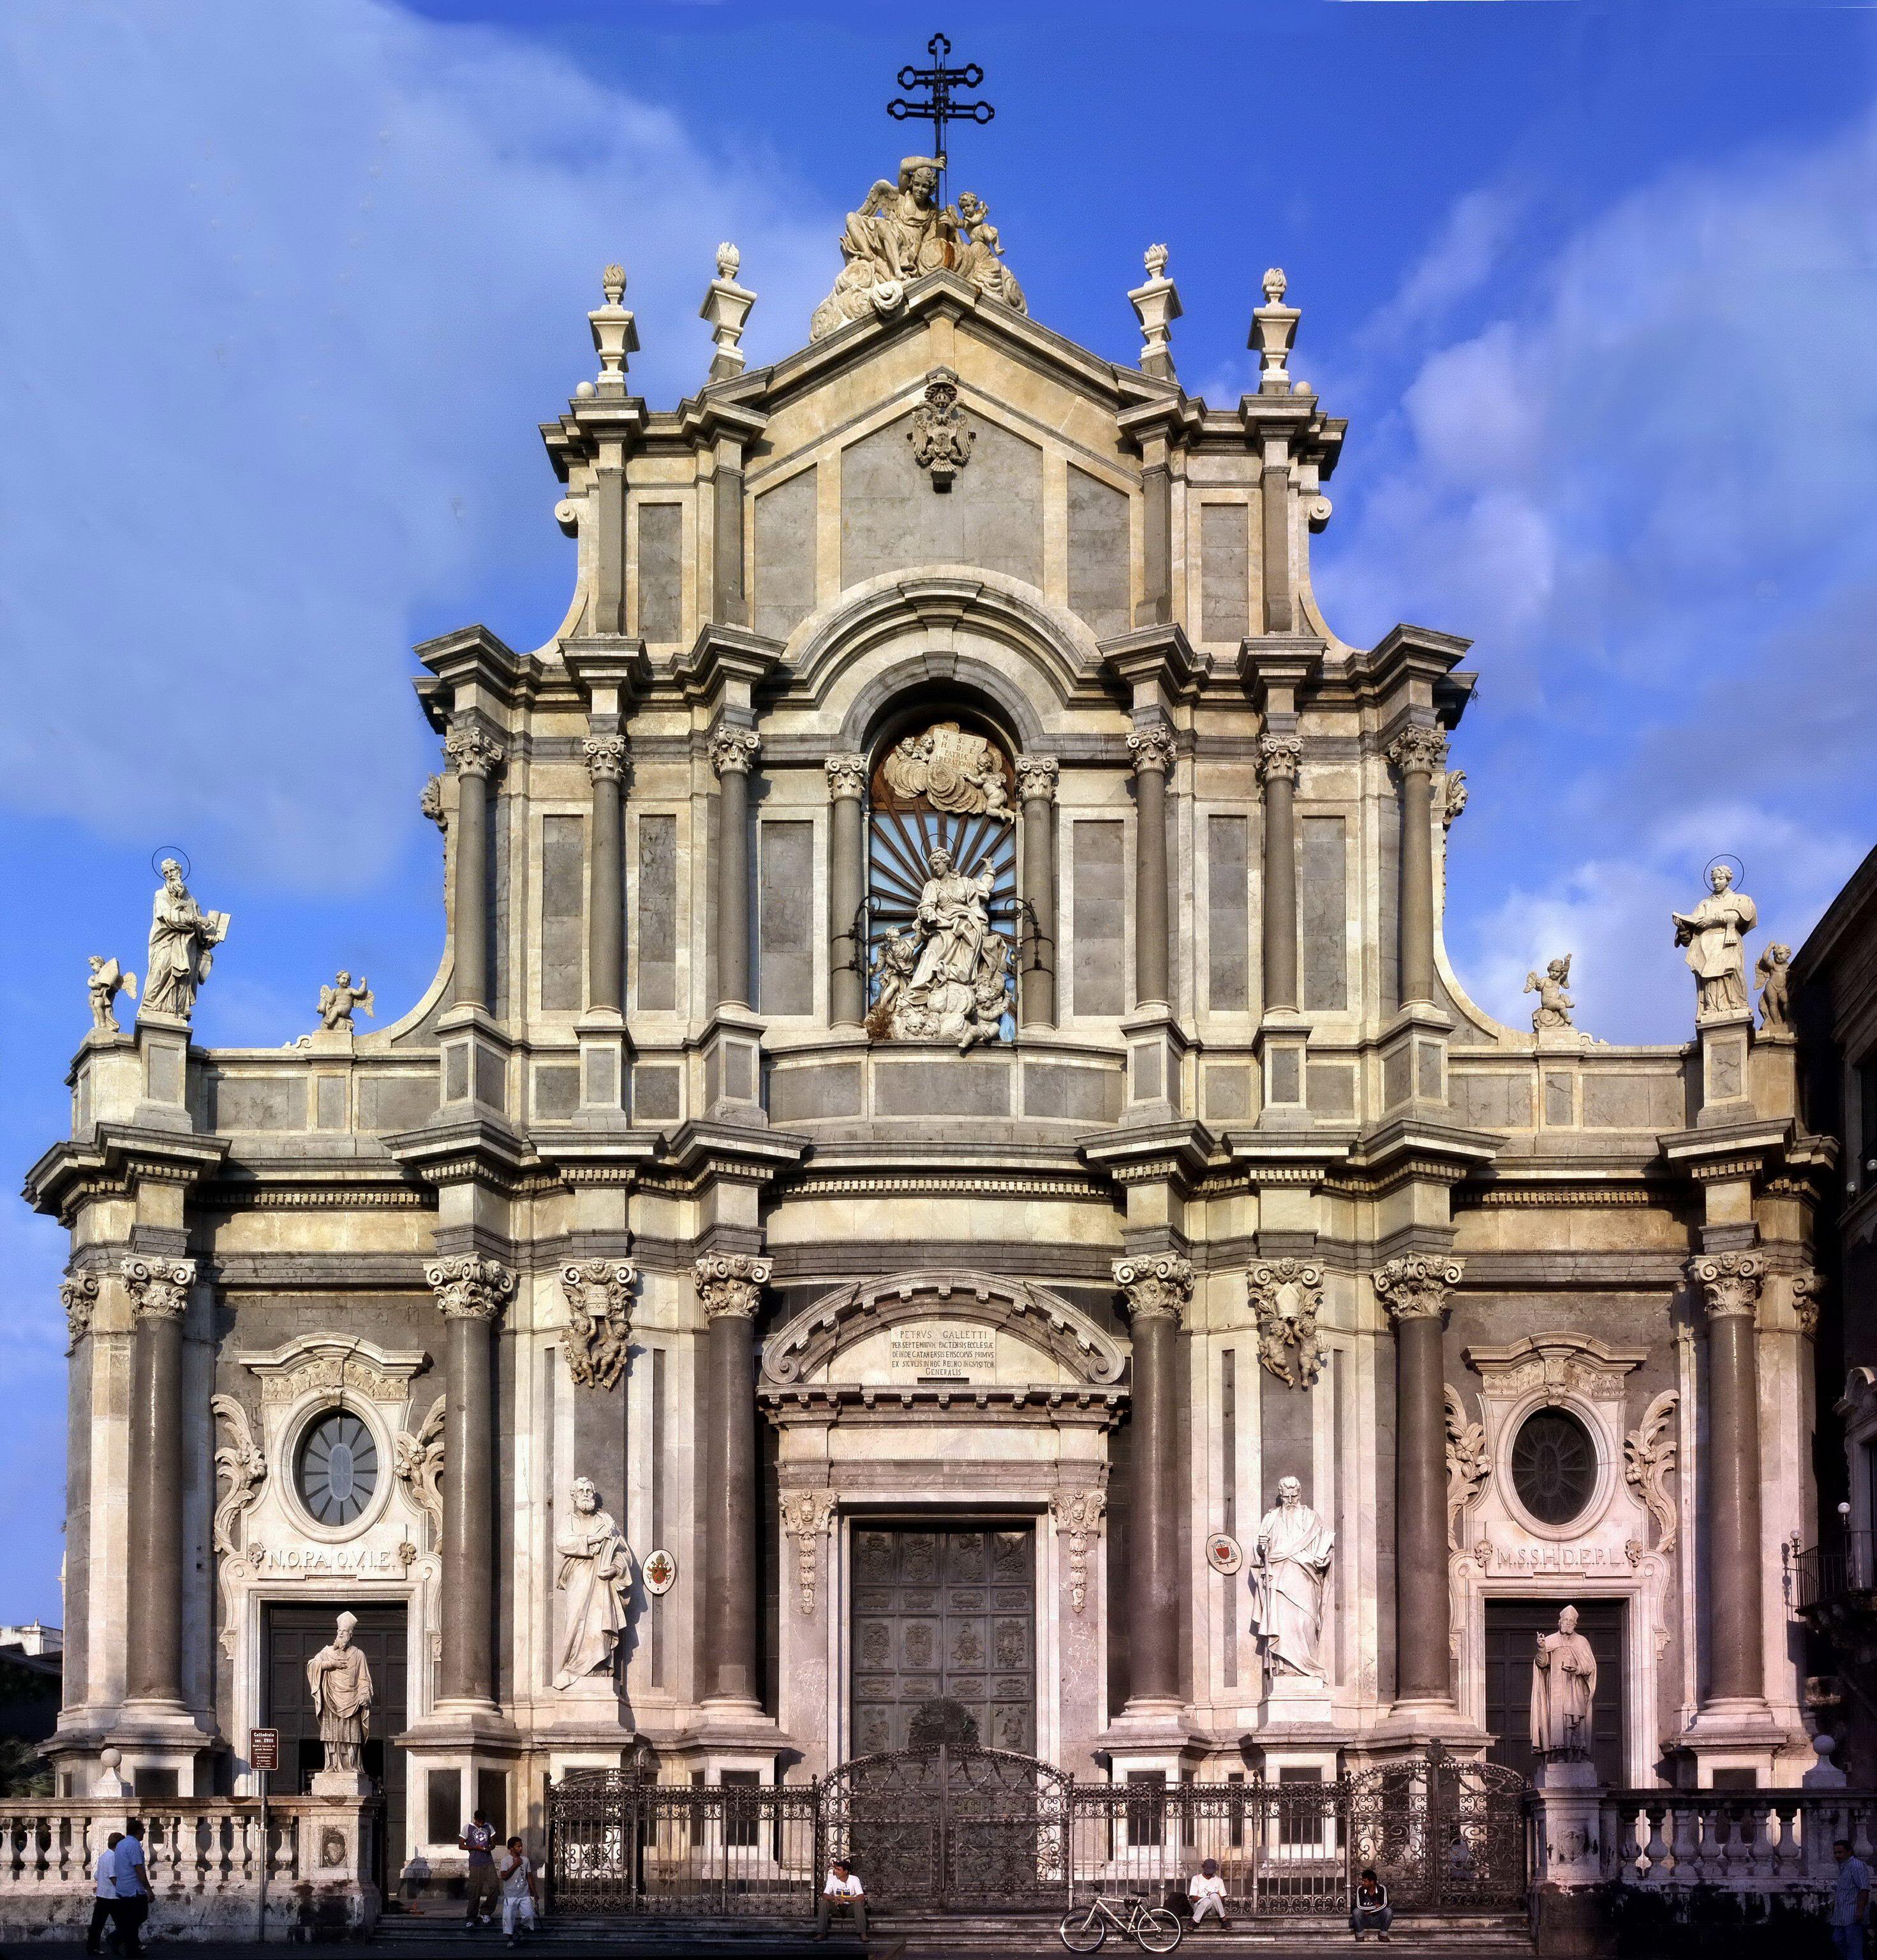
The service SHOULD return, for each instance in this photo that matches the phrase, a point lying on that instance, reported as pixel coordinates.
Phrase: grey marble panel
(1098, 938)
(803, 1095)
(658, 1093)
(660, 573)
(556, 1093)
(1631, 1102)
(398, 1102)
(1098, 554)
(657, 934)
(1330, 1089)
(1085, 1094)
(1323, 899)
(785, 555)
(1225, 588)
(257, 1102)
(941, 1085)
(563, 871)
(1228, 915)
(785, 918)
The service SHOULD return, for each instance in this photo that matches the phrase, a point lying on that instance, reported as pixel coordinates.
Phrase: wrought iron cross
(940, 107)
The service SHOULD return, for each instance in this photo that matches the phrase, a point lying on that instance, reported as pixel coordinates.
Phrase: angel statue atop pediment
(345, 997)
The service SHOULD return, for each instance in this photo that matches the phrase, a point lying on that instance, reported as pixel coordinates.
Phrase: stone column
(1157, 1289)
(475, 756)
(1729, 1283)
(1037, 777)
(1152, 748)
(471, 1295)
(1414, 1288)
(729, 1286)
(847, 890)
(1279, 758)
(733, 755)
(1417, 753)
(606, 916)
(153, 1634)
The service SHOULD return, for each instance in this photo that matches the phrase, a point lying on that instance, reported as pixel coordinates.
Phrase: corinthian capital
(473, 751)
(470, 1288)
(1730, 1283)
(847, 777)
(731, 1283)
(1415, 1287)
(1152, 748)
(158, 1288)
(1281, 757)
(1419, 750)
(1157, 1289)
(605, 757)
(1037, 777)
(1808, 1284)
(78, 1296)
(733, 749)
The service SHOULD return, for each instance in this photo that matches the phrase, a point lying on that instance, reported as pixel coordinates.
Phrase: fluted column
(733, 755)
(1037, 777)
(847, 889)
(153, 1635)
(1417, 753)
(1729, 1283)
(730, 1288)
(1157, 1290)
(1414, 1290)
(1279, 759)
(471, 1294)
(475, 756)
(605, 904)
(1152, 748)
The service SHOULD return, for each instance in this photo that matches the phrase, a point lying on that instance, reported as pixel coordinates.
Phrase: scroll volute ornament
(78, 1296)
(847, 776)
(1286, 1296)
(806, 1517)
(599, 1320)
(470, 1287)
(1649, 1462)
(1728, 1283)
(605, 757)
(1078, 1515)
(731, 1283)
(1279, 755)
(1415, 1285)
(733, 750)
(1807, 1283)
(1156, 1289)
(1036, 778)
(1468, 1462)
(158, 1288)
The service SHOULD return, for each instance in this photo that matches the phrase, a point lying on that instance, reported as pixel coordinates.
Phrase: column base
(1419, 1723)
(1156, 1052)
(732, 1068)
(156, 1741)
(1740, 1732)
(1153, 1732)
(1283, 1046)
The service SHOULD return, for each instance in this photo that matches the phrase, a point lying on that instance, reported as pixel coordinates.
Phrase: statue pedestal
(340, 1786)
(1567, 1922)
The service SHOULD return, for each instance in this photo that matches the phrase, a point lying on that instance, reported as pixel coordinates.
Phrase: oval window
(1554, 1466)
(338, 1468)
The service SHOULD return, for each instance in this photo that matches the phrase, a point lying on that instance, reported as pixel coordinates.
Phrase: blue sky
(288, 288)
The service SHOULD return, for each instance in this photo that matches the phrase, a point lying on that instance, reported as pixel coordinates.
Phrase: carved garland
(1649, 1462)
(806, 1517)
(1286, 1296)
(418, 1460)
(599, 1320)
(242, 1466)
(1079, 1513)
(1468, 1464)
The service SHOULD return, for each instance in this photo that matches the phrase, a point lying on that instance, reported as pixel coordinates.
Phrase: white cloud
(292, 288)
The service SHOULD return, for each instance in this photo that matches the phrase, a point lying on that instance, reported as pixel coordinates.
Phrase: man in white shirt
(842, 1893)
(1207, 1895)
(131, 1875)
(105, 1875)
(518, 1877)
(1850, 1902)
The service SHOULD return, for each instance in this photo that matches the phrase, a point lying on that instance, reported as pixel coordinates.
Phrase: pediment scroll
(944, 1312)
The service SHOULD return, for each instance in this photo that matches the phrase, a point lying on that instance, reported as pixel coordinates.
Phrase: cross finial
(939, 107)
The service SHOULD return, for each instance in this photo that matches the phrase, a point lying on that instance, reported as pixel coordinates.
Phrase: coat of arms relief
(943, 863)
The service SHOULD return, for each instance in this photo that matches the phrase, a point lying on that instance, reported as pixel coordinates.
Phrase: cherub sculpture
(108, 980)
(1554, 1004)
(980, 253)
(1775, 978)
(897, 955)
(339, 1002)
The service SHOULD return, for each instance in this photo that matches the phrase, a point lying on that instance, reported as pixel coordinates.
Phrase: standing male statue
(1713, 934)
(183, 938)
(340, 1681)
(1290, 1565)
(1563, 1684)
(596, 1573)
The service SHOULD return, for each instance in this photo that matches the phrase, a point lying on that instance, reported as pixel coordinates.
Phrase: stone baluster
(730, 1288)
(159, 1291)
(605, 919)
(1413, 1289)
(847, 890)
(733, 755)
(1036, 778)
(1279, 759)
(475, 756)
(1656, 1850)
(1157, 1289)
(1417, 753)
(1728, 1284)
(1765, 1852)
(1152, 748)
(472, 1293)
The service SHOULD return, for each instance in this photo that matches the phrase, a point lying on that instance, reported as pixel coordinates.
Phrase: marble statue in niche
(1289, 1566)
(340, 1679)
(1713, 935)
(182, 939)
(947, 977)
(595, 1574)
(1563, 1687)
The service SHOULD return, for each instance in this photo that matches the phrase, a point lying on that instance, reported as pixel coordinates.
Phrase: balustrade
(1740, 1840)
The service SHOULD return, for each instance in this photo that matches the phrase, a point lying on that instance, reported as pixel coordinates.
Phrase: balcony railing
(1839, 1572)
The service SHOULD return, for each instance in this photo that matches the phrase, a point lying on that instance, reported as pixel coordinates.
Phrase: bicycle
(1151, 1928)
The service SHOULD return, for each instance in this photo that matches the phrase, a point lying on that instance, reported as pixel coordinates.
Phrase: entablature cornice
(1050, 1407)
(467, 1149)
(112, 1162)
(1176, 1152)
(725, 665)
(472, 656)
(704, 1153)
(588, 427)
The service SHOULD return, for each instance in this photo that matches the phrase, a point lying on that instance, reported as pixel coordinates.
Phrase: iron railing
(1837, 1570)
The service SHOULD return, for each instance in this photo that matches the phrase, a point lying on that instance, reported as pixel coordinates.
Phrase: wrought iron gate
(958, 1827)
(1443, 1834)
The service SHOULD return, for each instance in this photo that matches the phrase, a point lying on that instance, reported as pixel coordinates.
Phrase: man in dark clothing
(478, 1839)
(1371, 1912)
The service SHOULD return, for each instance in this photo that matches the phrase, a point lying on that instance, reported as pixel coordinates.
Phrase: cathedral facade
(945, 1185)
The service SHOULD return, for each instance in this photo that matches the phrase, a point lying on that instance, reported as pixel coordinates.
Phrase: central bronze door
(943, 1638)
